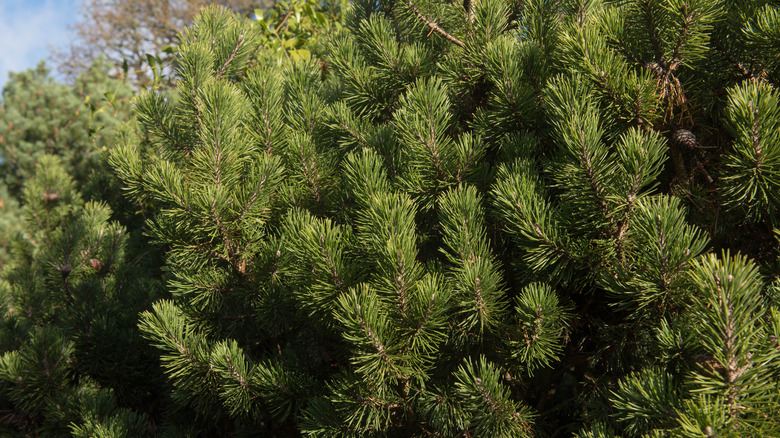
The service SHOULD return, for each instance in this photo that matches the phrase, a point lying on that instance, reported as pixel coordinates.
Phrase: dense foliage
(72, 353)
(39, 116)
(72, 361)
(493, 219)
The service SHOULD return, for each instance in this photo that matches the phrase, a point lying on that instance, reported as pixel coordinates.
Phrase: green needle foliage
(493, 218)
(72, 360)
(40, 116)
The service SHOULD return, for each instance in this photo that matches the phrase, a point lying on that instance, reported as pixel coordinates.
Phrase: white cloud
(28, 29)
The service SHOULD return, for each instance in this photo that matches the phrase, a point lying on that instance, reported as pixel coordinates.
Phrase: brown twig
(239, 43)
(434, 27)
(467, 5)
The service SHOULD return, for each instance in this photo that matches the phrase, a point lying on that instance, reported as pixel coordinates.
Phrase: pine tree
(41, 116)
(496, 219)
(73, 280)
(10, 222)
(72, 359)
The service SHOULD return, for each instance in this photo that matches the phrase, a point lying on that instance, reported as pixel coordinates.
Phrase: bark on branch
(432, 24)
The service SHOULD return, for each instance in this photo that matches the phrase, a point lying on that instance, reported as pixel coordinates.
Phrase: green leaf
(151, 60)
(300, 54)
(320, 18)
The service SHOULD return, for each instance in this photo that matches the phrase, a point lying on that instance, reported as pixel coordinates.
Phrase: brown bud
(95, 264)
(51, 197)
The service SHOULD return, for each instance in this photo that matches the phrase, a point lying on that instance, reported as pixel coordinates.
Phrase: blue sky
(28, 28)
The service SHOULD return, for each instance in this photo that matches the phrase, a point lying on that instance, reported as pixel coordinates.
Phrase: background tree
(126, 31)
(72, 361)
(40, 116)
(297, 28)
(10, 222)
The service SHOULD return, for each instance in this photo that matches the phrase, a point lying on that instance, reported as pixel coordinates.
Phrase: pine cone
(685, 138)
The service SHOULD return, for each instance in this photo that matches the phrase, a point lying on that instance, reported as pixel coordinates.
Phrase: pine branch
(336, 279)
(251, 201)
(434, 27)
(236, 374)
(591, 173)
(676, 59)
(224, 67)
(737, 64)
(354, 133)
(480, 299)
(469, 7)
(425, 319)
(433, 148)
(652, 29)
(312, 174)
(402, 285)
(159, 120)
(374, 338)
(602, 78)
(224, 232)
(556, 249)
